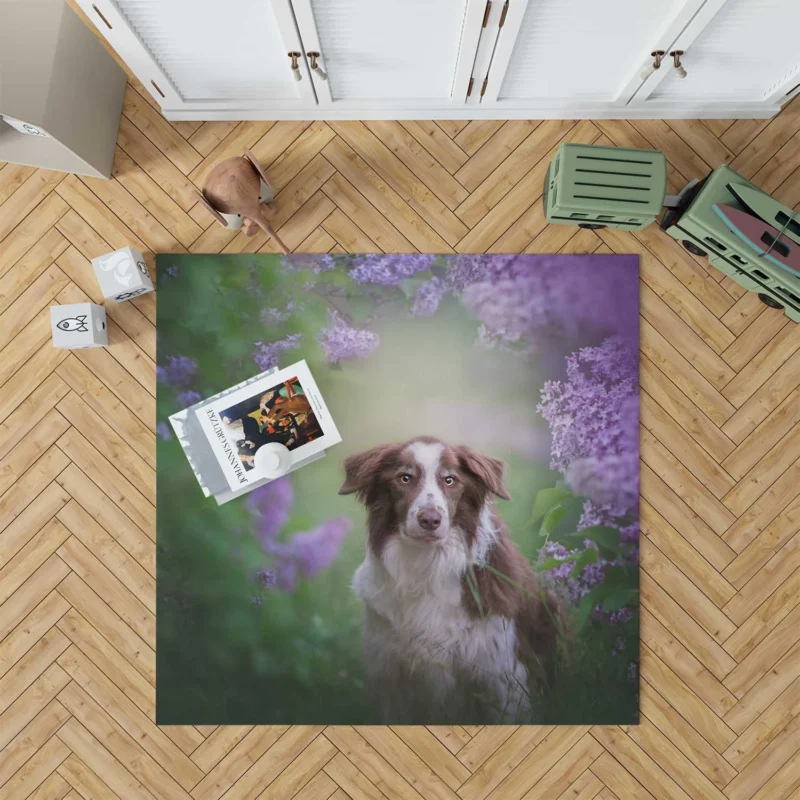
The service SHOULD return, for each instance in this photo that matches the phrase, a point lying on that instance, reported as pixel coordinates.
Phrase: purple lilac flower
(573, 589)
(266, 354)
(465, 270)
(550, 296)
(618, 617)
(271, 504)
(389, 270)
(343, 342)
(265, 578)
(256, 599)
(307, 554)
(594, 422)
(173, 270)
(186, 399)
(505, 312)
(610, 482)
(619, 646)
(428, 297)
(163, 431)
(178, 372)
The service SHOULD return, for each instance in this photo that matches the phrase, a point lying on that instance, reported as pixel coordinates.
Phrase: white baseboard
(371, 112)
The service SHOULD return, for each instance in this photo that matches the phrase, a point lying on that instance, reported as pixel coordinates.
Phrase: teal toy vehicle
(605, 187)
(702, 232)
(593, 186)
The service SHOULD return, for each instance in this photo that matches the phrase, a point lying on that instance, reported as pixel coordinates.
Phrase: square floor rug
(468, 554)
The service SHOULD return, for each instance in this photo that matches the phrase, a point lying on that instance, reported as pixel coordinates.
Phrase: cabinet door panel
(385, 52)
(581, 50)
(748, 49)
(210, 54)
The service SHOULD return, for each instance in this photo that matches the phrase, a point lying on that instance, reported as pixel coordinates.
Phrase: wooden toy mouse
(234, 194)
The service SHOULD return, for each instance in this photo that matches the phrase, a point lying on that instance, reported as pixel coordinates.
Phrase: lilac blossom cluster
(274, 316)
(466, 270)
(267, 354)
(302, 555)
(525, 298)
(341, 341)
(594, 425)
(573, 589)
(177, 372)
(391, 269)
(428, 297)
(189, 398)
(520, 300)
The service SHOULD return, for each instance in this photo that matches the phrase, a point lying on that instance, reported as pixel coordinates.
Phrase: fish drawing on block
(761, 237)
(77, 324)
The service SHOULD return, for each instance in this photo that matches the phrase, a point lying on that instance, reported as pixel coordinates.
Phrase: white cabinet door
(409, 54)
(577, 53)
(748, 51)
(208, 54)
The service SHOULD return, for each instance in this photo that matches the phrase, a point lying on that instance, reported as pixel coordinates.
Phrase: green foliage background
(296, 658)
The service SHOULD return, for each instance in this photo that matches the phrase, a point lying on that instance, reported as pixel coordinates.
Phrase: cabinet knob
(657, 56)
(676, 58)
(313, 56)
(294, 55)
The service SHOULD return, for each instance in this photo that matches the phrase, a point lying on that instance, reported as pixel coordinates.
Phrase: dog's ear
(486, 470)
(361, 468)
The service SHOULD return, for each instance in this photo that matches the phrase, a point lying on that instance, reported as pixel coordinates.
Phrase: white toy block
(122, 274)
(79, 325)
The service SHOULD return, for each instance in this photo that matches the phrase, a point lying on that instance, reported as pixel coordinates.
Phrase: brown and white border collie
(433, 652)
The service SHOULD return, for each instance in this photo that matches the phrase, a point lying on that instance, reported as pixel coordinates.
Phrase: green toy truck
(605, 187)
(598, 187)
(702, 232)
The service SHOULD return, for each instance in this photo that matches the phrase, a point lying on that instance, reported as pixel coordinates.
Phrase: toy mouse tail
(267, 228)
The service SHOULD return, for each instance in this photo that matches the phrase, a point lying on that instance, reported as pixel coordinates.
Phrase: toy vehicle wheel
(693, 248)
(592, 226)
(769, 301)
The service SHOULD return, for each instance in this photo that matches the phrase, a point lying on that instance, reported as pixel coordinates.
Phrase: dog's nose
(429, 519)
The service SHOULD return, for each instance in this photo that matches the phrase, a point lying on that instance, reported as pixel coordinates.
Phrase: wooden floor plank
(437, 143)
(91, 606)
(684, 737)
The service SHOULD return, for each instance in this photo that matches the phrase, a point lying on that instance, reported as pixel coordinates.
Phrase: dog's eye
(405, 478)
(449, 480)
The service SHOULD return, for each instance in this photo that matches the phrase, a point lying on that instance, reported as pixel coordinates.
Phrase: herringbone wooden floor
(720, 691)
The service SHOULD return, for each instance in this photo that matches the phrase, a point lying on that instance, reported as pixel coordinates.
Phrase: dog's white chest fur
(418, 632)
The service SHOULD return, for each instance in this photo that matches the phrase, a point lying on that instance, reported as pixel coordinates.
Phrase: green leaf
(605, 537)
(617, 600)
(580, 616)
(588, 556)
(546, 500)
(552, 563)
(551, 520)
(620, 577)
